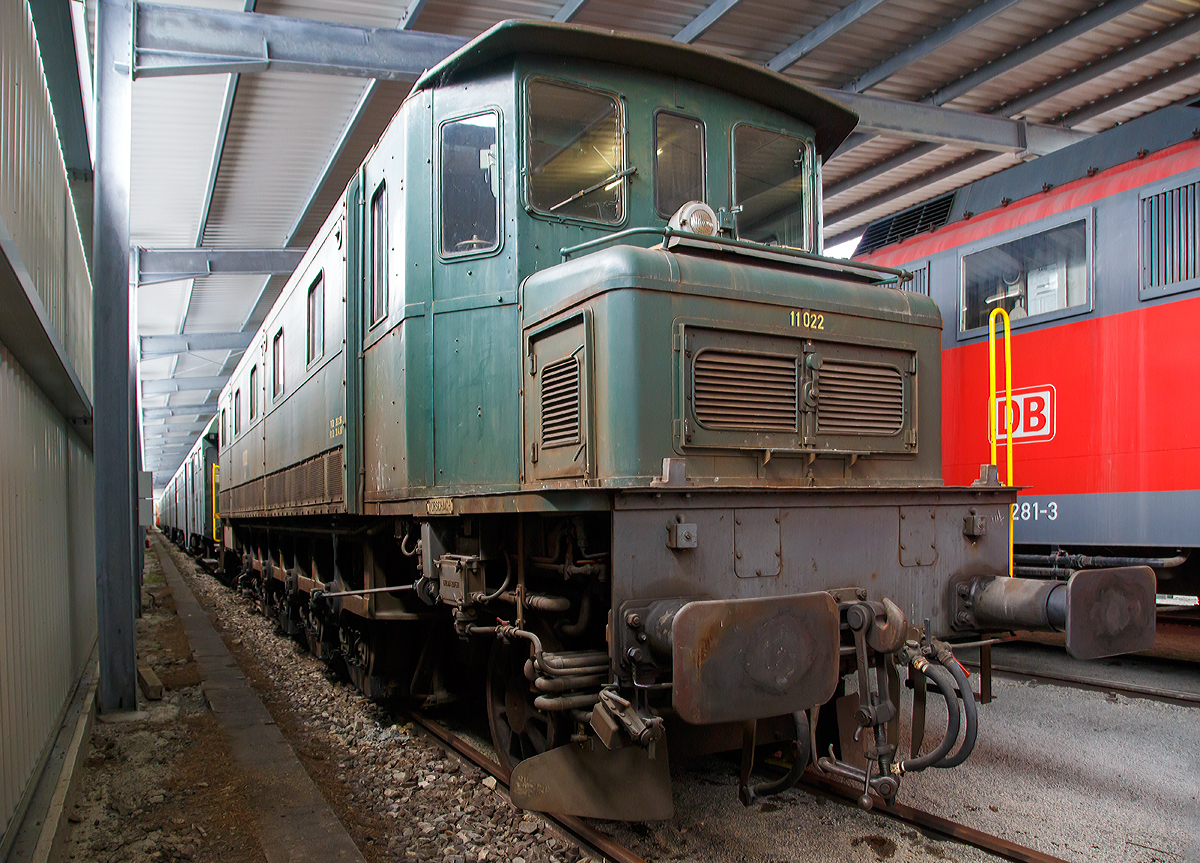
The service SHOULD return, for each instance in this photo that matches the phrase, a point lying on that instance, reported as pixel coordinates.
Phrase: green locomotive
(564, 390)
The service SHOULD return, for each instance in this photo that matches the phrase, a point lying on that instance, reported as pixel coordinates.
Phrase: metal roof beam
(878, 170)
(1074, 28)
(1149, 87)
(929, 44)
(156, 266)
(568, 11)
(178, 385)
(161, 346)
(821, 33)
(201, 409)
(698, 25)
(1162, 39)
(913, 185)
(179, 40)
(917, 122)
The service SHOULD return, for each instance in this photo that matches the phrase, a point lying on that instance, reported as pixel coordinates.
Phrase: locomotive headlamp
(696, 217)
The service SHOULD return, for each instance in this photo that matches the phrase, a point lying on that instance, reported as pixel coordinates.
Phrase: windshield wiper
(616, 175)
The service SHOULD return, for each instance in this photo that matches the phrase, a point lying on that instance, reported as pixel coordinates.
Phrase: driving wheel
(519, 730)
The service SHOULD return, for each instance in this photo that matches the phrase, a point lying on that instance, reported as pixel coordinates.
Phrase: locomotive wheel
(519, 730)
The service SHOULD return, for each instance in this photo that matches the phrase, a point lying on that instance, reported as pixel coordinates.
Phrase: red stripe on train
(1127, 413)
(1128, 175)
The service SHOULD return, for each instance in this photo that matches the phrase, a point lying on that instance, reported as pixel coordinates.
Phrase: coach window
(678, 162)
(576, 159)
(237, 412)
(224, 429)
(1028, 277)
(470, 166)
(253, 392)
(377, 272)
(770, 186)
(277, 365)
(316, 318)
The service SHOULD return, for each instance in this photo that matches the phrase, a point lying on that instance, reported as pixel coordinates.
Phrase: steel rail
(607, 847)
(997, 845)
(1152, 693)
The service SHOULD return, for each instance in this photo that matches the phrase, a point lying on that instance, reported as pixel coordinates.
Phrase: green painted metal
(440, 388)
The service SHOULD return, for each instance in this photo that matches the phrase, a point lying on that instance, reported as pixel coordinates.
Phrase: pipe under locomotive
(688, 494)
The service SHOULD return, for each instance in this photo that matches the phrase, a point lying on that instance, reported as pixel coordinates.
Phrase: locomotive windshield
(769, 185)
(576, 152)
(470, 185)
(678, 162)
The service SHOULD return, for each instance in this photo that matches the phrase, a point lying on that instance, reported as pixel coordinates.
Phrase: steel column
(114, 361)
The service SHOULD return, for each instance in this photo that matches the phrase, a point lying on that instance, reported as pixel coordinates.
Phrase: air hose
(794, 773)
(944, 681)
(946, 658)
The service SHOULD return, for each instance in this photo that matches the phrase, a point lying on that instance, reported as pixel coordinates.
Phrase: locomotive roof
(831, 120)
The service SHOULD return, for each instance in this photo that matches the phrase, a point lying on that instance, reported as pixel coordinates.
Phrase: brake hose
(969, 708)
(944, 681)
(803, 753)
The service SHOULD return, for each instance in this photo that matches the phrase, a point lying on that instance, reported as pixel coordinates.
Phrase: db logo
(1033, 414)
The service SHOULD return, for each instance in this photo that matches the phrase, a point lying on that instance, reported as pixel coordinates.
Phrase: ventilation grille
(928, 216)
(560, 402)
(1170, 236)
(920, 280)
(313, 482)
(745, 391)
(857, 398)
(247, 497)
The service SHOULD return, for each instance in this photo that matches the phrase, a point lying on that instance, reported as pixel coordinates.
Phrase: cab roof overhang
(831, 121)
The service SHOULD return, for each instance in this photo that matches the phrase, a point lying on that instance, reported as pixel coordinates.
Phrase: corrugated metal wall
(47, 574)
(35, 199)
(47, 547)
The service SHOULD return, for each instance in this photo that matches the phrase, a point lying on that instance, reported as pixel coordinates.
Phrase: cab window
(678, 162)
(770, 186)
(470, 184)
(1033, 275)
(576, 159)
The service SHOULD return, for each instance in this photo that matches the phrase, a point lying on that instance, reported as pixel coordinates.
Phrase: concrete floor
(1082, 775)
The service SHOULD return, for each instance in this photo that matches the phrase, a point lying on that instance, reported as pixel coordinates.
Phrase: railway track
(609, 849)
(1152, 693)
(582, 832)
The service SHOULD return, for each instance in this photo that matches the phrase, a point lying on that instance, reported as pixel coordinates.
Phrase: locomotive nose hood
(741, 273)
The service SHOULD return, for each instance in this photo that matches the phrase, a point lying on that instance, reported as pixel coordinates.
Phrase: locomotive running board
(591, 781)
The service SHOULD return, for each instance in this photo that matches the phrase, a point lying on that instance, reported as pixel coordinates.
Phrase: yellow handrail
(1008, 413)
(216, 515)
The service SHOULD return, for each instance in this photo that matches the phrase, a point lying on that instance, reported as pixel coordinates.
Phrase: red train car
(1094, 252)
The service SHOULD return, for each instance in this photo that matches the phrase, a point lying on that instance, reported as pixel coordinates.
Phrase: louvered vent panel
(928, 216)
(857, 398)
(333, 475)
(560, 402)
(1171, 236)
(749, 391)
